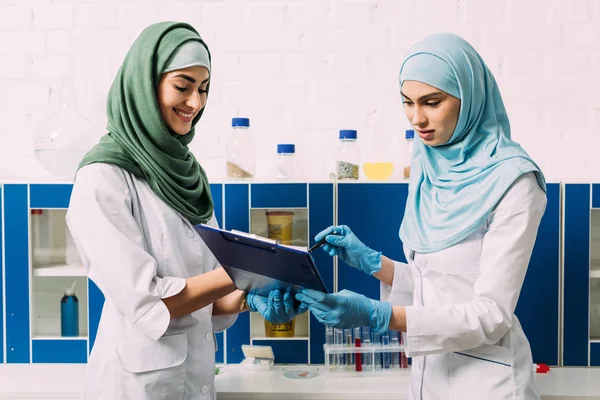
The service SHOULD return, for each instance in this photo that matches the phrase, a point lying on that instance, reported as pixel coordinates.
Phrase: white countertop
(63, 381)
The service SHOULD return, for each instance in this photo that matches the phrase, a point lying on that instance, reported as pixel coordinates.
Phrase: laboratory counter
(51, 381)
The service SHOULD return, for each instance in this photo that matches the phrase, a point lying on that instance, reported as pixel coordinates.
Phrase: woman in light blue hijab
(472, 214)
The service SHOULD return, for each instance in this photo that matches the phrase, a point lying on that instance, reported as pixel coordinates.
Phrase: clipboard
(259, 265)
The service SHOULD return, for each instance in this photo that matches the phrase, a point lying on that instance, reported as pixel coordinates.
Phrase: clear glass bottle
(285, 161)
(378, 165)
(348, 155)
(61, 140)
(240, 153)
(408, 152)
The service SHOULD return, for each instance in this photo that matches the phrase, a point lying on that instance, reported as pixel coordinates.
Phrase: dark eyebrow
(427, 96)
(186, 77)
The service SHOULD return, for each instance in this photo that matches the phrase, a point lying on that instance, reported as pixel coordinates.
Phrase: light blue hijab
(454, 187)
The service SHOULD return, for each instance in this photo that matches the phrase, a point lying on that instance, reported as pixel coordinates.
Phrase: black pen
(320, 243)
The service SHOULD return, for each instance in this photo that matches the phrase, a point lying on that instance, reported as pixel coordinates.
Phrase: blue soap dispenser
(69, 312)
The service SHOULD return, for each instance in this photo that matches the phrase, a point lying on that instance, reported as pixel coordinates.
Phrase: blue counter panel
(321, 215)
(216, 189)
(16, 245)
(287, 351)
(219, 355)
(538, 308)
(576, 274)
(1, 284)
(595, 354)
(374, 212)
(237, 216)
(278, 195)
(59, 351)
(96, 302)
(50, 195)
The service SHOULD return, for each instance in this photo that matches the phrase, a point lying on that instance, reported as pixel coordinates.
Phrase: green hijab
(138, 139)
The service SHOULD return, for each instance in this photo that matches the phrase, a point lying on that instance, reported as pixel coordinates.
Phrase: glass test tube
(403, 358)
(385, 341)
(377, 356)
(366, 342)
(349, 345)
(330, 343)
(395, 354)
(357, 356)
(339, 342)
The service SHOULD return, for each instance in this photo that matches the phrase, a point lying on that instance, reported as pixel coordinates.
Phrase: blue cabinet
(245, 205)
(538, 308)
(373, 210)
(1, 278)
(23, 345)
(581, 304)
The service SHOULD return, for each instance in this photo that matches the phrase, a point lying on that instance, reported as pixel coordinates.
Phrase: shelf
(59, 270)
(279, 338)
(59, 338)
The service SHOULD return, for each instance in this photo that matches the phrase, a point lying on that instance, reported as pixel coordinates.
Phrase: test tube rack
(340, 360)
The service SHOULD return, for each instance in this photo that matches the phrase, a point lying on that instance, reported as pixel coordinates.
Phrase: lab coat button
(204, 389)
(208, 336)
(190, 233)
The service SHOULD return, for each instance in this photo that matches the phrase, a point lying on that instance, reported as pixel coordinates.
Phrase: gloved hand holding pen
(342, 242)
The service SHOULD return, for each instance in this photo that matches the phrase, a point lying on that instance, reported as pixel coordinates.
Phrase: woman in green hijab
(136, 199)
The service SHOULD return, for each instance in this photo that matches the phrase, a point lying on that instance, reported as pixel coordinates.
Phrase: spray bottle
(69, 312)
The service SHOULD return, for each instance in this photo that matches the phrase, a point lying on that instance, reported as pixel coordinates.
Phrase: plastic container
(348, 155)
(61, 140)
(69, 313)
(285, 161)
(240, 153)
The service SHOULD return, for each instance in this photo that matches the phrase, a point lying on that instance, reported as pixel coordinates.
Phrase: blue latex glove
(342, 242)
(347, 309)
(276, 308)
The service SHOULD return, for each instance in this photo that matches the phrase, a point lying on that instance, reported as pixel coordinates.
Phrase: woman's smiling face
(181, 96)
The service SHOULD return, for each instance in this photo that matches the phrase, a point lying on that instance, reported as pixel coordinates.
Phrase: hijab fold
(138, 139)
(454, 187)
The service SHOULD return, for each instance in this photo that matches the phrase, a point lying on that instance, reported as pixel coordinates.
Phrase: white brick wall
(302, 69)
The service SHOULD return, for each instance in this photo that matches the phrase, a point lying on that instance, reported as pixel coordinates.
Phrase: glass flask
(61, 140)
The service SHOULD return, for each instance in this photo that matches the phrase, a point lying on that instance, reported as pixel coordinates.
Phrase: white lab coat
(462, 333)
(138, 251)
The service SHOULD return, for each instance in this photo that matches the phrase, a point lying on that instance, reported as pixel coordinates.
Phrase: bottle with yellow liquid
(280, 227)
(378, 165)
(378, 171)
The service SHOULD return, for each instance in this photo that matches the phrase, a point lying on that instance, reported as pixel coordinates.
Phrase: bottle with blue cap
(285, 161)
(401, 149)
(409, 136)
(240, 153)
(348, 155)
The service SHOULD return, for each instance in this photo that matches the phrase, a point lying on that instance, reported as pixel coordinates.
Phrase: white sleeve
(401, 291)
(219, 322)
(506, 250)
(112, 248)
